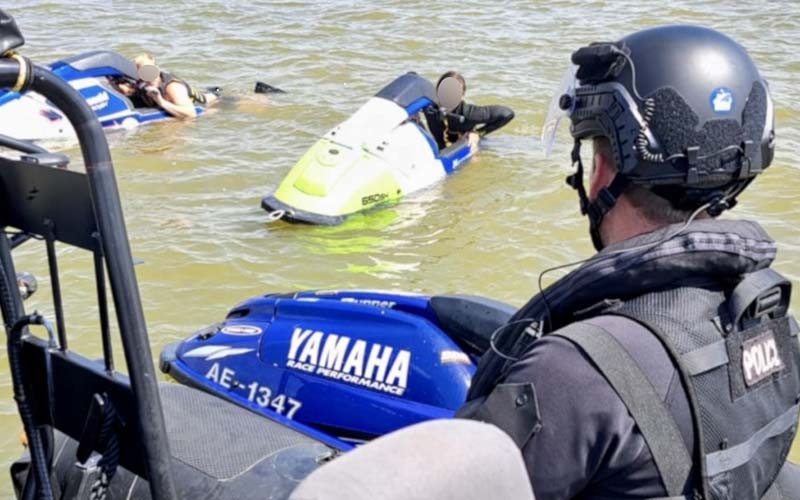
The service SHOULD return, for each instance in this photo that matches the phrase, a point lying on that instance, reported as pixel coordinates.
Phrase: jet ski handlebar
(451, 116)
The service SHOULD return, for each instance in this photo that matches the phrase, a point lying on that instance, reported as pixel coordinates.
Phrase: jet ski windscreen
(407, 89)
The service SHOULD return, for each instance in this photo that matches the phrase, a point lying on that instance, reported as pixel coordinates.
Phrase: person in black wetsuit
(478, 120)
(163, 90)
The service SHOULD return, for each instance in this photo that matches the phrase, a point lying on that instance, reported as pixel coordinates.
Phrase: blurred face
(148, 73)
(146, 68)
(450, 93)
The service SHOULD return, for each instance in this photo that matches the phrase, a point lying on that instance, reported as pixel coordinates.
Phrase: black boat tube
(116, 248)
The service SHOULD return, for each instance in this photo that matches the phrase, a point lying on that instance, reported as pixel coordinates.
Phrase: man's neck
(624, 221)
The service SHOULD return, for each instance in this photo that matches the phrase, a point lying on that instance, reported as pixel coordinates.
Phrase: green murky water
(191, 191)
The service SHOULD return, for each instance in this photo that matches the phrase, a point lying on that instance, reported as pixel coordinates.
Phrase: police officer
(666, 365)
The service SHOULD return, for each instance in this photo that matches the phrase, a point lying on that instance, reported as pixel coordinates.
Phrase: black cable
(111, 452)
(39, 464)
(544, 324)
(641, 143)
(641, 249)
(40, 452)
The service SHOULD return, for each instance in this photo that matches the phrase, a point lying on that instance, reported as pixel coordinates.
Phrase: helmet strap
(606, 198)
(575, 181)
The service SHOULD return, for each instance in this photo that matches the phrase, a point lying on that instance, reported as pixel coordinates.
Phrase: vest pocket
(514, 409)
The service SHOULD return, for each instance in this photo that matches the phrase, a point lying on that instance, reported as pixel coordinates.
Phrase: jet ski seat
(470, 319)
(102, 59)
(219, 451)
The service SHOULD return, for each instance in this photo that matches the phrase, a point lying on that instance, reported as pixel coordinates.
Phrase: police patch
(760, 358)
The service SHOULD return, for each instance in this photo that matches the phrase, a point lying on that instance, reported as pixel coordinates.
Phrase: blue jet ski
(353, 364)
(30, 116)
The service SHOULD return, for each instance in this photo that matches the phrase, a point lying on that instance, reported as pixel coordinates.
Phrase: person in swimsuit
(161, 89)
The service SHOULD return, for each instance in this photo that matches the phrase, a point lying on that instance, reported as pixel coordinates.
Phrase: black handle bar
(452, 116)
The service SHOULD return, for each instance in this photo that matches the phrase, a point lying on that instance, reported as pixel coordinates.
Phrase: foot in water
(265, 88)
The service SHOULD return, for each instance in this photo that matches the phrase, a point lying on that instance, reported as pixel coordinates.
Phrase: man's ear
(602, 174)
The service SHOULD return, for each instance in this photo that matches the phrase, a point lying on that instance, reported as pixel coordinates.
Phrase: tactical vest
(710, 298)
(738, 355)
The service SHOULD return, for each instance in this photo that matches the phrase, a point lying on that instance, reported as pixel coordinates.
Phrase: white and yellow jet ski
(378, 155)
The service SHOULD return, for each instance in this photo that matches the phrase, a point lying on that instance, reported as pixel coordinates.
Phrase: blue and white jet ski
(353, 364)
(30, 116)
(380, 154)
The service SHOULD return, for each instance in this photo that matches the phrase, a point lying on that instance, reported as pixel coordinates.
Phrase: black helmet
(686, 112)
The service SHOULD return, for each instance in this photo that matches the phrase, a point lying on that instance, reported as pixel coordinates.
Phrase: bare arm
(176, 102)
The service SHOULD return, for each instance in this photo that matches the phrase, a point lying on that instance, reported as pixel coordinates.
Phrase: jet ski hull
(375, 158)
(283, 211)
(30, 116)
(353, 364)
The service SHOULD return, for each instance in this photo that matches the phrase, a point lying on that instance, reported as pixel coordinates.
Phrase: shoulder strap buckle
(761, 294)
(767, 303)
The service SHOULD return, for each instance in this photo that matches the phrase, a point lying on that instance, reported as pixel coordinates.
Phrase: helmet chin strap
(605, 200)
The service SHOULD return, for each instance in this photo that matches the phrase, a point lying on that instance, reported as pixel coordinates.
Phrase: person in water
(667, 365)
(161, 89)
(477, 121)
